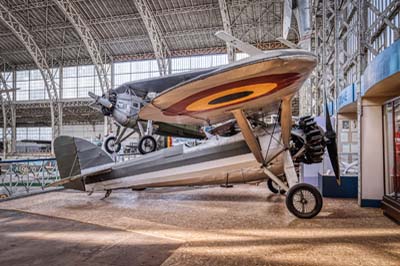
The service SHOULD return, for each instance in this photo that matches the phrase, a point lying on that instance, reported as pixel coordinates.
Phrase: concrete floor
(244, 225)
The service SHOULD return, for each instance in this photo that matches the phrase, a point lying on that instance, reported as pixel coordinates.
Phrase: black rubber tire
(110, 147)
(272, 187)
(297, 191)
(147, 140)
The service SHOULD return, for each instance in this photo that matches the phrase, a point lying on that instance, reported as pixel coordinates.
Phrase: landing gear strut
(274, 187)
(303, 200)
(108, 193)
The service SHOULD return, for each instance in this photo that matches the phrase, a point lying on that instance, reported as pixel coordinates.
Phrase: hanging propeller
(330, 138)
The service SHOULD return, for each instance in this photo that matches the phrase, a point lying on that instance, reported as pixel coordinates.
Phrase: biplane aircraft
(124, 103)
(235, 97)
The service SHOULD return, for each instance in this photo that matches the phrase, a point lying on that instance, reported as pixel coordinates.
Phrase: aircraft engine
(308, 141)
(126, 109)
(123, 107)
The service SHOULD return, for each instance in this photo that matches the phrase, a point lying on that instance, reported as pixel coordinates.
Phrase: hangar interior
(54, 52)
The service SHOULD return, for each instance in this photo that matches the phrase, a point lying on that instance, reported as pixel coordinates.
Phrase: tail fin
(74, 155)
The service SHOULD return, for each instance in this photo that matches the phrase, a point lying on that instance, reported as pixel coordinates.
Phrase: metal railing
(24, 177)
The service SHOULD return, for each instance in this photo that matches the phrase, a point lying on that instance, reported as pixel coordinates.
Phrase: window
(183, 64)
(34, 133)
(22, 85)
(78, 81)
(31, 86)
(135, 70)
(392, 149)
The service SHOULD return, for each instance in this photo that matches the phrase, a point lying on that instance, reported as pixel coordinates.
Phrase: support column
(160, 47)
(39, 57)
(9, 115)
(371, 158)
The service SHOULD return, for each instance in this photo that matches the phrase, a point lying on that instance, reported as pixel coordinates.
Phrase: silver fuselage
(220, 160)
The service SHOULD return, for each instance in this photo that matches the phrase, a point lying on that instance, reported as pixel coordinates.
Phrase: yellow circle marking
(257, 89)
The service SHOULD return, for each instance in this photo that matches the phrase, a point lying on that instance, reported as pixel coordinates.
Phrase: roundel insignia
(231, 94)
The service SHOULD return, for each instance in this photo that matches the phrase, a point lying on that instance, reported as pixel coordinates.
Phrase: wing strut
(286, 128)
(286, 120)
(248, 135)
(254, 145)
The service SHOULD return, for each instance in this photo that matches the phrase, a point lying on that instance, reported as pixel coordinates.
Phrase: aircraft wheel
(110, 146)
(274, 187)
(147, 144)
(304, 201)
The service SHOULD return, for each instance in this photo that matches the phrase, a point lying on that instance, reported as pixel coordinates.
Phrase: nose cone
(101, 100)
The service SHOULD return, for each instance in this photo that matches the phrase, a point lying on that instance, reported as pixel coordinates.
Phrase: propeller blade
(330, 134)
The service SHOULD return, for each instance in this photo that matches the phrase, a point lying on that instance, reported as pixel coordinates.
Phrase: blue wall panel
(384, 65)
(346, 96)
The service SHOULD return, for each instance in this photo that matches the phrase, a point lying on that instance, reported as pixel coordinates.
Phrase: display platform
(391, 208)
(329, 188)
(191, 226)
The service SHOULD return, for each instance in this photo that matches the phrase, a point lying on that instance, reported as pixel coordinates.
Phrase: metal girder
(350, 32)
(75, 111)
(116, 18)
(226, 22)
(269, 45)
(328, 38)
(383, 20)
(190, 32)
(158, 42)
(9, 117)
(97, 54)
(40, 61)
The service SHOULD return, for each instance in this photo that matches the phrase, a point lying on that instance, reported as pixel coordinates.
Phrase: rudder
(74, 155)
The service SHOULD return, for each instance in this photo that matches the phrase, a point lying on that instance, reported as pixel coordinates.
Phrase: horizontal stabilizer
(245, 47)
(288, 43)
(287, 17)
(77, 178)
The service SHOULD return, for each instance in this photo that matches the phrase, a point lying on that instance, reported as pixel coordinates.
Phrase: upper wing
(257, 83)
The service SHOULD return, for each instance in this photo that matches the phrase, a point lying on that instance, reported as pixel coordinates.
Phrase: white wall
(91, 133)
(83, 131)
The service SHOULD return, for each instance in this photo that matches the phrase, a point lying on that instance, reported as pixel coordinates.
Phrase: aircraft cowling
(123, 107)
(123, 119)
